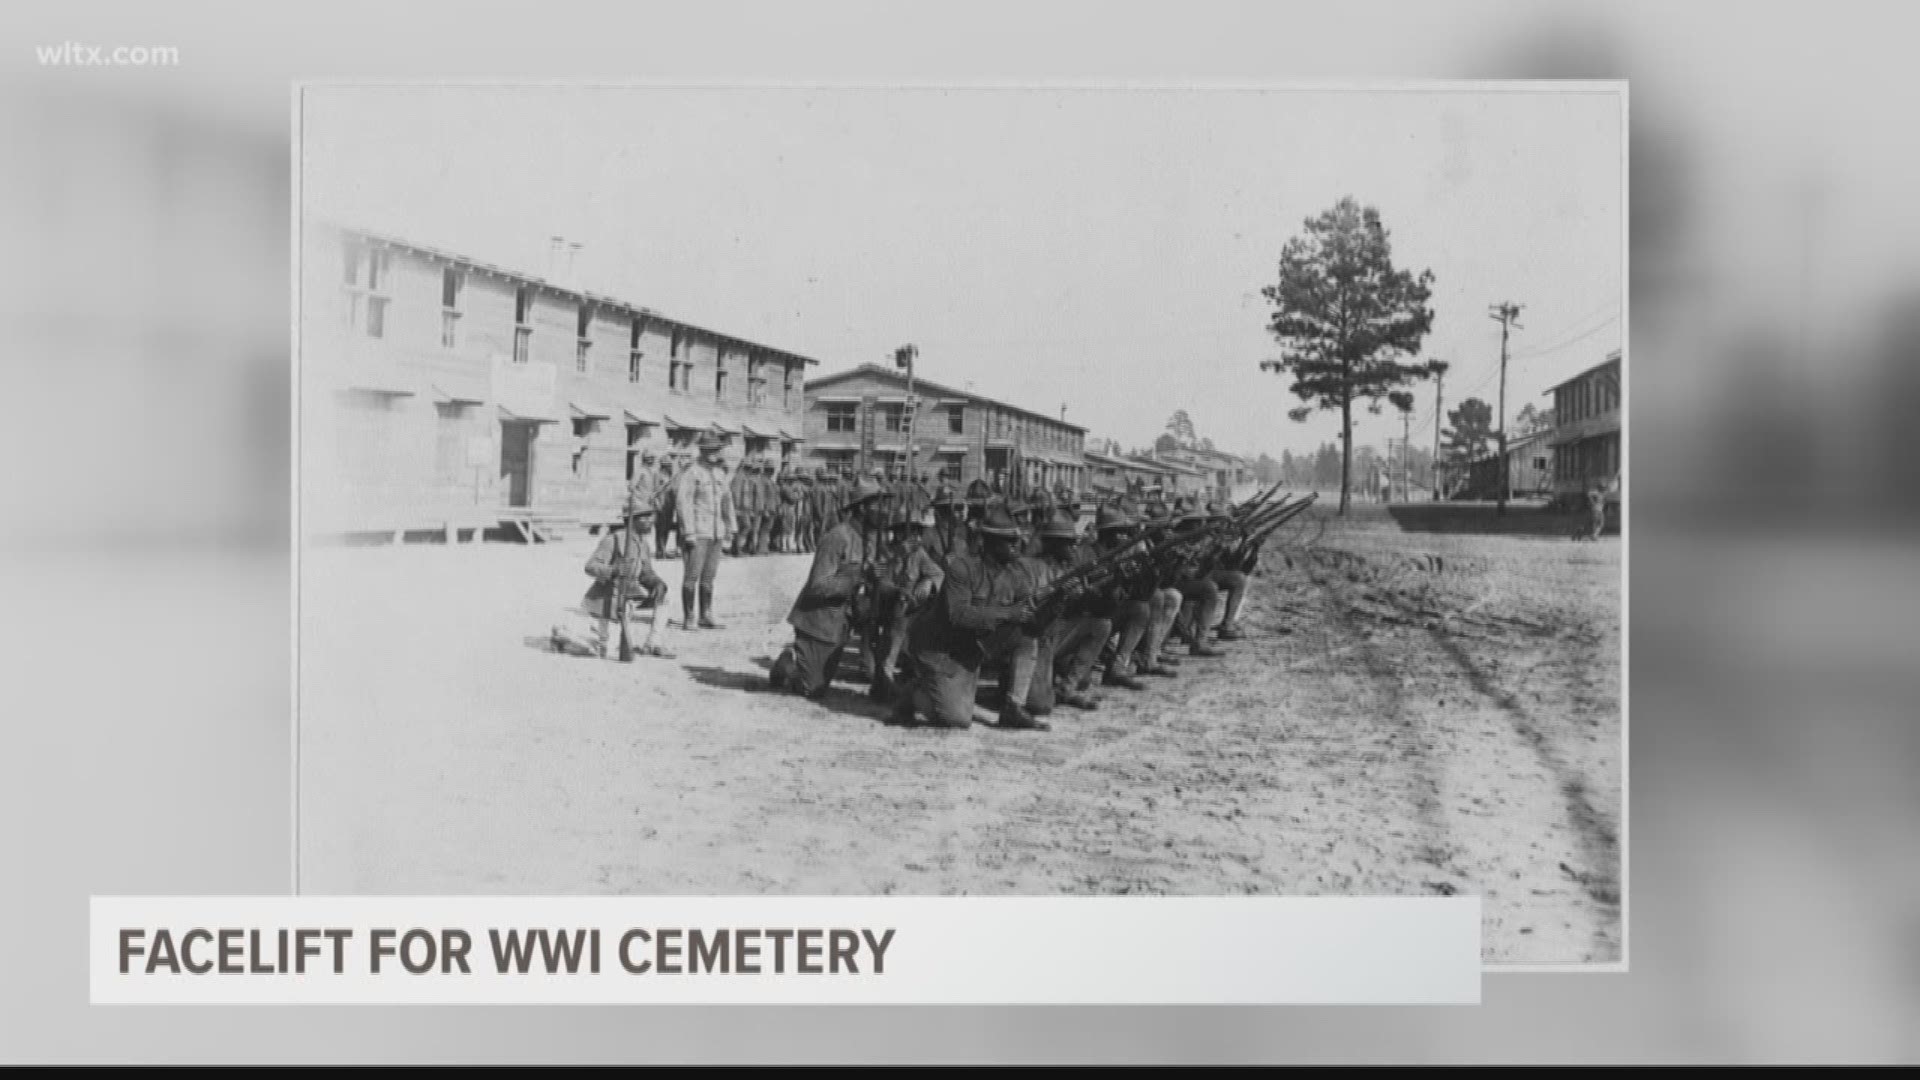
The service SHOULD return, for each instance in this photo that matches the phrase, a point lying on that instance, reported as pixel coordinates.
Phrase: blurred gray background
(1774, 889)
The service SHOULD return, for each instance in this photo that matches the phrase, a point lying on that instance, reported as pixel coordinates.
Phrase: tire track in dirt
(1433, 845)
(1545, 851)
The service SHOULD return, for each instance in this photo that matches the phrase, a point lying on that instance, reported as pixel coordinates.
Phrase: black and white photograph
(993, 490)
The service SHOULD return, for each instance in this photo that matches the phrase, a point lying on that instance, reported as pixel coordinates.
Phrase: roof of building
(564, 290)
(1514, 444)
(1217, 455)
(1613, 358)
(929, 387)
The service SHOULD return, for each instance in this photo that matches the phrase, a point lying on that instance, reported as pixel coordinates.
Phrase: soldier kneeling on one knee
(623, 580)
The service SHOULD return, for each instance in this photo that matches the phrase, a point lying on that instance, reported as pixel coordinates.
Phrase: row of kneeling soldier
(943, 596)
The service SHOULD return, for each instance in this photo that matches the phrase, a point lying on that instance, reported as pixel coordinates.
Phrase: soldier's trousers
(815, 662)
(1133, 619)
(1233, 588)
(944, 688)
(1199, 609)
(1065, 651)
(662, 528)
(1165, 607)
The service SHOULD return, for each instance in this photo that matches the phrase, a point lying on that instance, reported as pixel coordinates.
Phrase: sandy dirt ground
(1414, 712)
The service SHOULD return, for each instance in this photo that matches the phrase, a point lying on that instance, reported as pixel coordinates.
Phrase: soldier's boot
(686, 607)
(781, 677)
(1016, 717)
(1122, 680)
(1230, 632)
(1201, 648)
(706, 610)
(1072, 698)
(903, 713)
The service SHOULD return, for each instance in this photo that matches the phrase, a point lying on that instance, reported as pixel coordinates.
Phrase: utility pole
(904, 357)
(1406, 460)
(1439, 379)
(1505, 315)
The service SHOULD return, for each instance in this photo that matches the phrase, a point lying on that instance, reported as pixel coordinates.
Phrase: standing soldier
(786, 526)
(1596, 510)
(980, 596)
(703, 498)
(666, 522)
(646, 490)
(820, 616)
(767, 504)
(825, 497)
(740, 496)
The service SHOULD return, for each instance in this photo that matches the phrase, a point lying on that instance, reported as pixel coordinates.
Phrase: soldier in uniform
(740, 494)
(909, 578)
(769, 508)
(786, 525)
(665, 522)
(620, 562)
(1596, 511)
(704, 501)
(1232, 583)
(923, 494)
(1129, 606)
(981, 596)
(1054, 659)
(1166, 599)
(1200, 600)
(826, 488)
(646, 489)
(948, 535)
(820, 616)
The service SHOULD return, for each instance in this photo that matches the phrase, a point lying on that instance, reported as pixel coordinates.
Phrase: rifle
(1247, 553)
(620, 592)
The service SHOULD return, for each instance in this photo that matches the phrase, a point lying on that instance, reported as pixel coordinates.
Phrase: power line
(1544, 350)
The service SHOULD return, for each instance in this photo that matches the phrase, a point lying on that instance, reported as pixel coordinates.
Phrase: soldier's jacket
(666, 478)
(648, 487)
(976, 599)
(704, 503)
(941, 546)
(820, 611)
(615, 560)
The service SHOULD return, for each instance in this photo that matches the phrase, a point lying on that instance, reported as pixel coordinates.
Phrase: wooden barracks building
(857, 419)
(1586, 431)
(440, 393)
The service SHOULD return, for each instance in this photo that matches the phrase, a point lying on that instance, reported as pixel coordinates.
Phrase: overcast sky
(1101, 249)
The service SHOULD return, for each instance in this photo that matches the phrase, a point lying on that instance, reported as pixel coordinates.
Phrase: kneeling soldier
(982, 595)
(820, 616)
(622, 571)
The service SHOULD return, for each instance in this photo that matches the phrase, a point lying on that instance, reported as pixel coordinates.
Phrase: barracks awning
(527, 416)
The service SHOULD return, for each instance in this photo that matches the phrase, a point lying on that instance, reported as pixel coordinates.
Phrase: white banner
(816, 950)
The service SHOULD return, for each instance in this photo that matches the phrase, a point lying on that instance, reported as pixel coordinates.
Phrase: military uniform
(664, 520)
(1232, 583)
(703, 499)
(619, 564)
(1054, 659)
(949, 643)
(1129, 607)
(820, 615)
